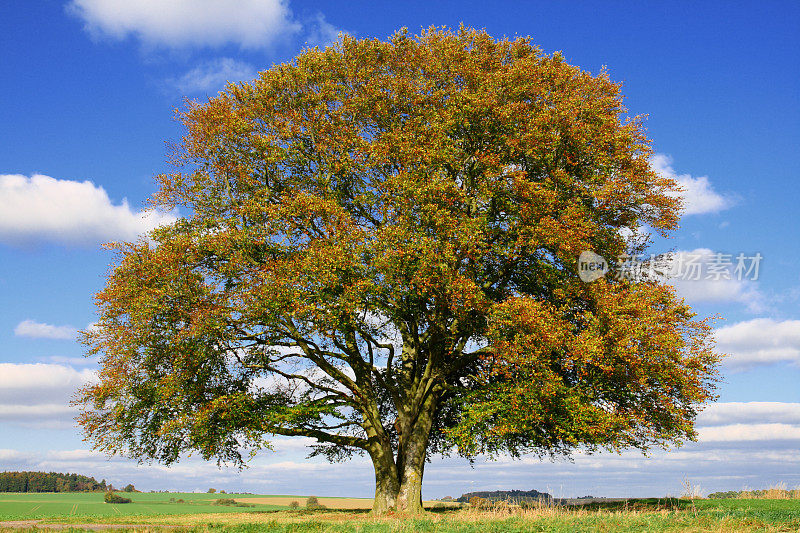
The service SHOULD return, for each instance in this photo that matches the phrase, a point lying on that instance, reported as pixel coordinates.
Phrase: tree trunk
(409, 498)
(398, 473)
(398, 480)
(411, 461)
(387, 484)
(399, 490)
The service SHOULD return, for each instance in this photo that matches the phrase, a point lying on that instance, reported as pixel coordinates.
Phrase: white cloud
(68, 212)
(749, 432)
(179, 23)
(749, 421)
(213, 75)
(702, 275)
(13, 455)
(80, 361)
(74, 455)
(27, 413)
(727, 413)
(42, 390)
(761, 341)
(322, 33)
(39, 330)
(699, 195)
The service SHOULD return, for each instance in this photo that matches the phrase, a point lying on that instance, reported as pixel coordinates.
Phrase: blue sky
(88, 91)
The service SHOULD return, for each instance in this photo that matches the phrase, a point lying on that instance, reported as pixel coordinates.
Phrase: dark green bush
(313, 503)
(112, 497)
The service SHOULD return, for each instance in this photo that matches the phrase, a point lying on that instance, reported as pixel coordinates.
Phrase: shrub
(225, 501)
(180, 500)
(112, 497)
(294, 505)
(313, 503)
(476, 502)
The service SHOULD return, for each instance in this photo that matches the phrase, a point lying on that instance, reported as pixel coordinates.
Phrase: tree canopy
(379, 251)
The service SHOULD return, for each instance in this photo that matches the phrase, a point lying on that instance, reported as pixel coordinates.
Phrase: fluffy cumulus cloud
(698, 193)
(213, 75)
(39, 330)
(749, 421)
(40, 393)
(41, 208)
(703, 275)
(737, 413)
(179, 23)
(761, 341)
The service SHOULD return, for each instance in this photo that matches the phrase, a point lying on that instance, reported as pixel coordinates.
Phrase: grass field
(198, 513)
(27, 506)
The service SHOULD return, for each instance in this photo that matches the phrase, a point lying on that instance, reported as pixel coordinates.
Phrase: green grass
(29, 506)
(199, 514)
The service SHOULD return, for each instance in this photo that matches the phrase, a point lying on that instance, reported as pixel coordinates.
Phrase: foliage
(313, 503)
(48, 482)
(211, 491)
(294, 504)
(113, 497)
(380, 253)
(777, 492)
(232, 501)
(476, 502)
(515, 496)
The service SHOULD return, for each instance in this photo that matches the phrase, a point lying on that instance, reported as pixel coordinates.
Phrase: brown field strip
(330, 503)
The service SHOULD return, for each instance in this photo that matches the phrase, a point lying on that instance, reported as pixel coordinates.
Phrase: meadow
(199, 513)
(28, 506)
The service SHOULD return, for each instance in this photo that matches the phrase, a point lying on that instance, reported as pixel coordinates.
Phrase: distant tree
(112, 497)
(211, 491)
(129, 488)
(381, 254)
(476, 502)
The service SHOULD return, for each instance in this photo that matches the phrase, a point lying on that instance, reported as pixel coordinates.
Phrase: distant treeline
(506, 495)
(49, 482)
(725, 495)
(778, 492)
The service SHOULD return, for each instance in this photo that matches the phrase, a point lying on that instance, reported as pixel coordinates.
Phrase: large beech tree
(380, 252)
